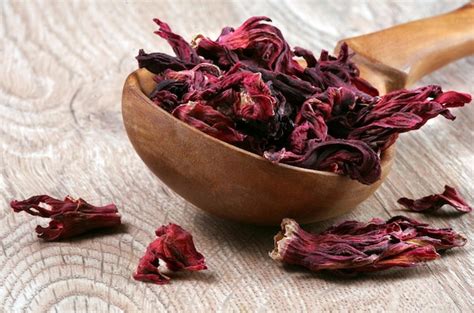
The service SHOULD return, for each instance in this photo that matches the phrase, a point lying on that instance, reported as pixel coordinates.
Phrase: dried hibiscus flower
(401, 111)
(353, 158)
(449, 196)
(248, 88)
(353, 247)
(254, 43)
(175, 247)
(209, 121)
(69, 217)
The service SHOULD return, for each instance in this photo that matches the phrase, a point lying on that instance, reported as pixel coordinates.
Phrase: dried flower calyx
(353, 247)
(248, 89)
(450, 196)
(175, 247)
(69, 217)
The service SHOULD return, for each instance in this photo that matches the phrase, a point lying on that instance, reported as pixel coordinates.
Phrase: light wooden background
(61, 74)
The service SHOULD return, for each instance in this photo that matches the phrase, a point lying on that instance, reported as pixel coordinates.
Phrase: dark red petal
(158, 62)
(181, 48)
(353, 247)
(452, 99)
(254, 43)
(404, 110)
(307, 55)
(175, 247)
(450, 196)
(147, 269)
(69, 217)
(353, 158)
(178, 250)
(209, 121)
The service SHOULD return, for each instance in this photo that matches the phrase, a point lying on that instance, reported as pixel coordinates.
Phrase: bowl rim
(133, 82)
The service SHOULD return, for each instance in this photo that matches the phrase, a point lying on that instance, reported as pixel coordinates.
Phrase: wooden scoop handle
(397, 57)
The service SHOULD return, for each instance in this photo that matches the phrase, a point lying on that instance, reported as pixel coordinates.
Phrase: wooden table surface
(61, 132)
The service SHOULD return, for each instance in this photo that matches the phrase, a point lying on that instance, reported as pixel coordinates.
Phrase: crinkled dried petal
(353, 247)
(69, 217)
(181, 47)
(254, 43)
(216, 52)
(330, 71)
(209, 121)
(175, 247)
(147, 269)
(307, 55)
(353, 158)
(404, 110)
(449, 196)
(256, 101)
(157, 62)
(293, 88)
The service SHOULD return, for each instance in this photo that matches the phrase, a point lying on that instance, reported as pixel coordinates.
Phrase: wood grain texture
(62, 70)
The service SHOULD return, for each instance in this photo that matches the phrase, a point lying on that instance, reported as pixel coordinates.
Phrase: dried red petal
(330, 71)
(254, 43)
(256, 101)
(453, 99)
(431, 203)
(404, 110)
(157, 62)
(209, 121)
(175, 247)
(353, 247)
(181, 48)
(353, 158)
(69, 217)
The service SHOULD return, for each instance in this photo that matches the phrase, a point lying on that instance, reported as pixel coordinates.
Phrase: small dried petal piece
(449, 196)
(176, 248)
(69, 217)
(353, 247)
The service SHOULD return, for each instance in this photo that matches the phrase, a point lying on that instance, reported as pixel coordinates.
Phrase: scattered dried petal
(353, 247)
(175, 247)
(69, 217)
(431, 203)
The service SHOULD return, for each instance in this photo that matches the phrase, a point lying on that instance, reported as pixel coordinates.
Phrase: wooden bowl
(227, 181)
